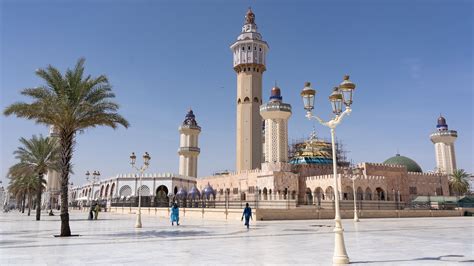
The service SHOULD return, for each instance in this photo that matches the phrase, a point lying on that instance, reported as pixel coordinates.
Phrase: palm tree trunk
(29, 203)
(67, 148)
(23, 203)
(38, 197)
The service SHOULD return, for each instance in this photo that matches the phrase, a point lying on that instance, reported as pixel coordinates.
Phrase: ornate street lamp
(341, 94)
(93, 181)
(87, 179)
(347, 88)
(336, 101)
(141, 170)
(308, 95)
(133, 159)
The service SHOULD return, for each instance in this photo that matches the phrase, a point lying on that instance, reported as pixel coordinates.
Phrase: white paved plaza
(113, 240)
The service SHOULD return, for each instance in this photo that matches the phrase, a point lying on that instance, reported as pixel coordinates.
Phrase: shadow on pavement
(161, 234)
(440, 258)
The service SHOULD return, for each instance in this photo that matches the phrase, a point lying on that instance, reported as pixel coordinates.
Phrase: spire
(275, 95)
(190, 119)
(441, 126)
(250, 17)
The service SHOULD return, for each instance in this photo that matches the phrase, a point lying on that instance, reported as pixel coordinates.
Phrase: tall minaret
(443, 140)
(276, 115)
(188, 145)
(249, 63)
(53, 184)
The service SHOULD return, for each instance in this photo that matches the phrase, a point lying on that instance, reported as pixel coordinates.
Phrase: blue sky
(411, 61)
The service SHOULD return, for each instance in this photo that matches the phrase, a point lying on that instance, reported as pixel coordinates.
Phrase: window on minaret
(255, 48)
(260, 49)
(249, 47)
(243, 48)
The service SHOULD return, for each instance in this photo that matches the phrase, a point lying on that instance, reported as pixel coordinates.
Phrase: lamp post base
(356, 217)
(340, 254)
(338, 260)
(138, 224)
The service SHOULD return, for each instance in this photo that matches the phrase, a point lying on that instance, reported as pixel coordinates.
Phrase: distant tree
(37, 156)
(25, 187)
(18, 192)
(71, 103)
(458, 182)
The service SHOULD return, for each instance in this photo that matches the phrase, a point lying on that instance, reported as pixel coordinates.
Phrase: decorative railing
(189, 149)
(276, 107)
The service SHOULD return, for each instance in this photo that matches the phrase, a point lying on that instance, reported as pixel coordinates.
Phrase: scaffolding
(314, 150)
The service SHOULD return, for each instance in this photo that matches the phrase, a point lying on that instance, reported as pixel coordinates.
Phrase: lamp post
(93, 181)
(354, 175)
(141, 170)
(341, 94)
(87, 192)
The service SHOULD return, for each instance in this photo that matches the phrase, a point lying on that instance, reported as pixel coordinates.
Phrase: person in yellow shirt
(96, 211)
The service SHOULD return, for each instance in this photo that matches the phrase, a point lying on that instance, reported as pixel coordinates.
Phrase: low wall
(314, 213)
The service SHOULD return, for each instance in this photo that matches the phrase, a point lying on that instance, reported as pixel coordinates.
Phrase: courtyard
(113, 240)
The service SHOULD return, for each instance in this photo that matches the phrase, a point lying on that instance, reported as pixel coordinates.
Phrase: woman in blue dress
(174, 214)
(247, 214)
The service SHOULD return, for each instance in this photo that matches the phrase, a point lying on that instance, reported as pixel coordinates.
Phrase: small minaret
(188, 145)
(276, 114)
(249, 53)
(443, 140)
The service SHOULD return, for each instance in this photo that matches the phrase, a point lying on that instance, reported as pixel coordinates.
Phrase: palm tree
(71, 103)
(25, 186)
(18, 191)
(37, 156)
(458, 182)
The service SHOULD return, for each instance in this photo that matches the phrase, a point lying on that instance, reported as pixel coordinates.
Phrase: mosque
(264, 170)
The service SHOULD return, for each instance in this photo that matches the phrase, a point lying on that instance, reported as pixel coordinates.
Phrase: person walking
(91, 212)
(174, 214)
(247, 214)
(96, 211)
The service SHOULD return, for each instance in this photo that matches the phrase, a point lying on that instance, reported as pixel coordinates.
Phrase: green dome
(411, 165)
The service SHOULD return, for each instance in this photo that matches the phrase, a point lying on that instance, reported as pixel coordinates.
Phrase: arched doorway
(145, 195)
(265, 193)
(380, 193)
(329, 193)
(112, 190)
(161, 198)
(347, 195)
(319, 195)
(360, 193)
(309, 197)
(368, 194)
